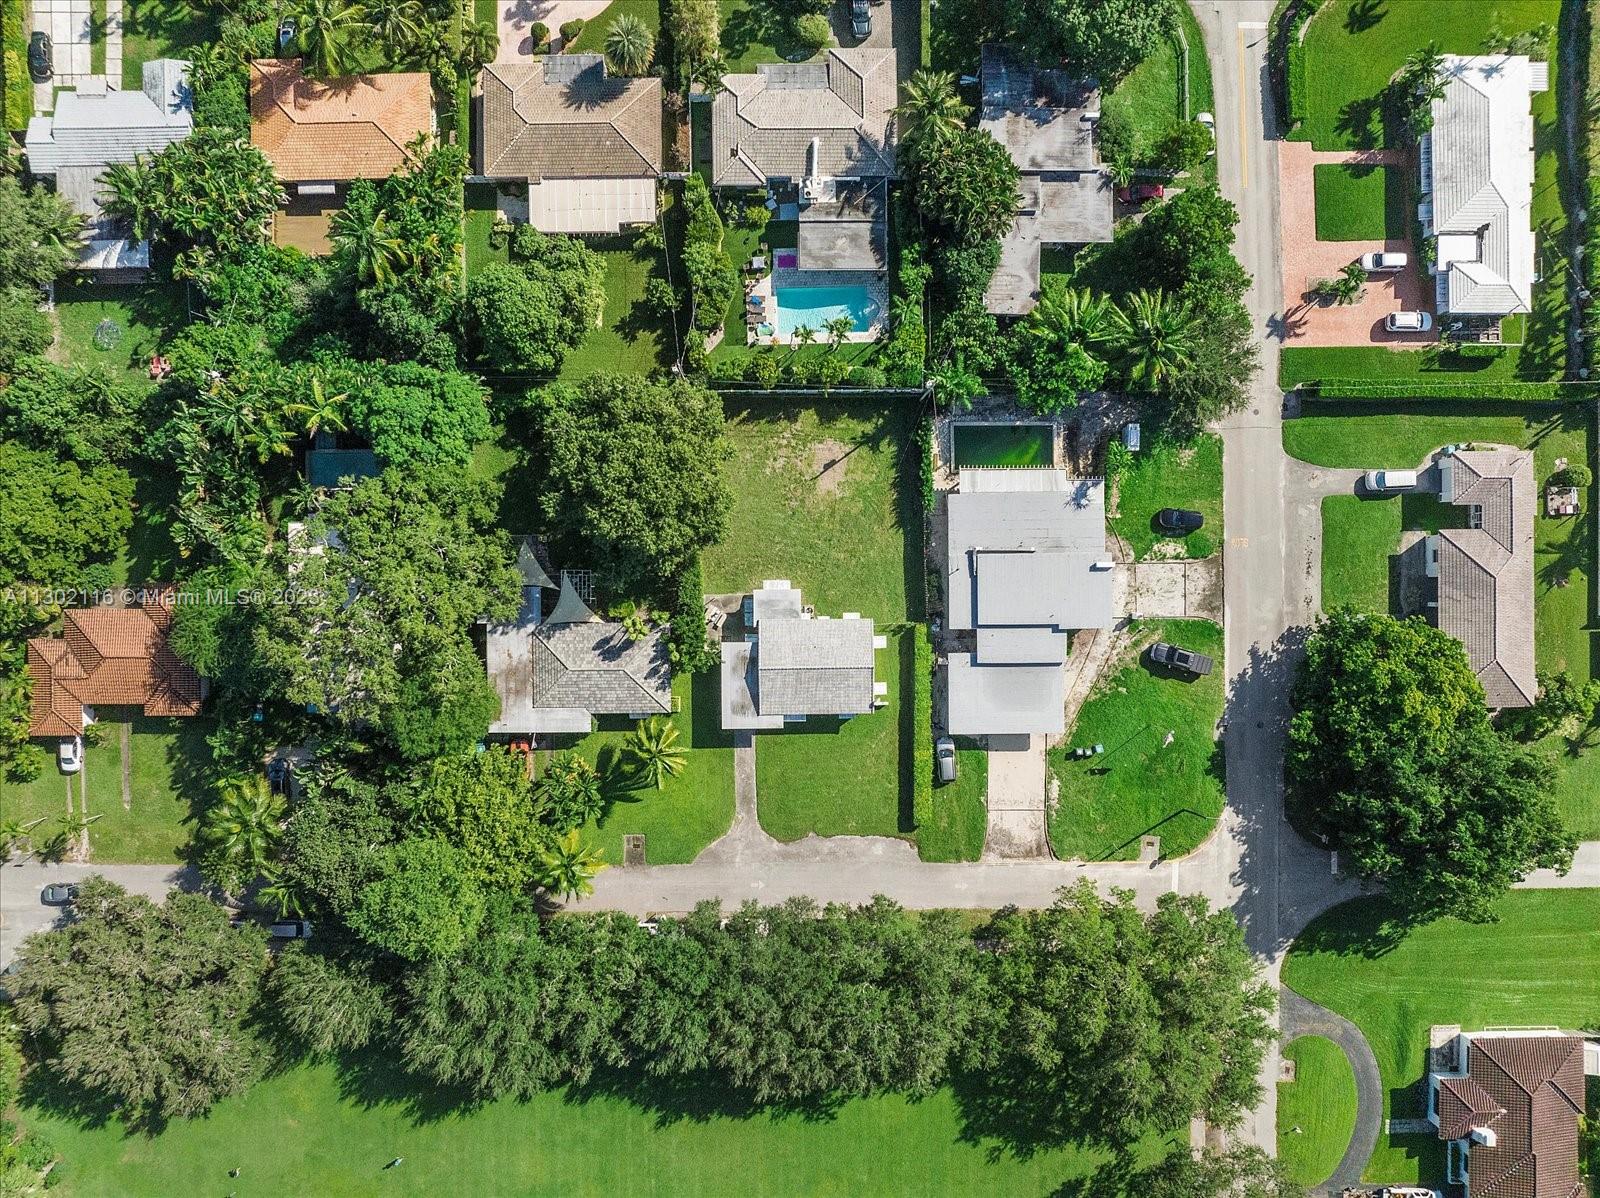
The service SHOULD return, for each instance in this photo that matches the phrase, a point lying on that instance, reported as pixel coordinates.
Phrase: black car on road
(1179, 521)
(40, 55)
(1183, 661)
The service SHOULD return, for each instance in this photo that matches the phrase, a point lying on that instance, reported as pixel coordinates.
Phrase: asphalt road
(22, 913)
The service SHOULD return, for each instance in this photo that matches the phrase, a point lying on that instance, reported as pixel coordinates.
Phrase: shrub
(713, 282)
(1184, 147)
(868, 376)
(1298, 96)
(27, 765)
(539, 35)
(922, 731)
(1117, 134)
(1336, 388)
(812, 31)
(660, 295)
(924, 437)
(727, 370)
(1575, 475)
(691, 645)
(756, 216)
(570, 31)
(765, 369)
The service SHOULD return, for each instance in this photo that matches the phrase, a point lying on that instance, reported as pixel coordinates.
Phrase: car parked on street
(944, 759)
(1137, 193)
(1180, 660)
(69, 754)
(1383, 482)
(1178, 521)
(59, 894)
(1408, 1192)
(1380, 262)
(1408, 322)
(41, 56)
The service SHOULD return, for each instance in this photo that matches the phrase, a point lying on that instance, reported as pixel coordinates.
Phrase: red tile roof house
(1508, 1110)
(114, 657)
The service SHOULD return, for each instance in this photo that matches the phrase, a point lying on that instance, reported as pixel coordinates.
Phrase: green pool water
(1004, 445)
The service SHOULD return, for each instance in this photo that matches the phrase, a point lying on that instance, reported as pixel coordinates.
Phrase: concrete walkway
(1302, 1017)
(1018, 776)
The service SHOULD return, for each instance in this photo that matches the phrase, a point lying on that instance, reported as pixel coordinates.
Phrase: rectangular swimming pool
(1020, 444)
(814, 307)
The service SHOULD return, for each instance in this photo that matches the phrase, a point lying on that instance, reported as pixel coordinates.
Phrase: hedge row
(1431, 389)
(1298, 101)
(922, 730)
(18, 87)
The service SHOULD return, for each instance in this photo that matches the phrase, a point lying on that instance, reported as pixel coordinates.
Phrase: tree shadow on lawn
(1363, 15)
(1368, 927)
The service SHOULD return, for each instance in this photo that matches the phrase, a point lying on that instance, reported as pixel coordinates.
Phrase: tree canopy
(423, 903)
(59, 517)
(965, 184)
(1107, 38)
(526, 314)
(415, 414)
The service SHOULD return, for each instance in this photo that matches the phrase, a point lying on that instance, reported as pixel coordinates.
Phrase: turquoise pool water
(816, 306)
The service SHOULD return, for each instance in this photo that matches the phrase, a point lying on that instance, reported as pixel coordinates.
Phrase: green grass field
(691, 810)
(1358, 537)
(1514, 363)
(143, 319)
(633, 339)
(1152, 93)
(1353, 48)
(317, 1130)
(167, 764)
(592, 39)
(960, 810)
(1316, 1111)
(845, 777)
(1167, 475)
(1360, 203)
(1139, 785)
(1539, 965)
(818, 499)
(163, 29)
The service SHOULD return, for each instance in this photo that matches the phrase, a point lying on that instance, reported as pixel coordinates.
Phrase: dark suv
(860, 18)
(1183, 661)
(40, 54)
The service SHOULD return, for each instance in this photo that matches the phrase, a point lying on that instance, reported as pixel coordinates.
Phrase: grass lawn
(343, 1126)
(486, 11)
(691, 810)
(1360, 203)
(1140, 786)
(482, 209)
(822, 496)
(1539, 965)
(1514, 363)
(1152, 93)
(1169, 475)
(592, 39)
(1358, 537)
(633, 339)
(1353, 48)
(1316, 1111)
(167, 760)
(960, 810)
(144, 318)
(165, 29)
(846, 777)
(755, 31)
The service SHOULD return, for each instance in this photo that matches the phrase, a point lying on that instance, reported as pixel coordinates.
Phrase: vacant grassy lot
(167, 761)
(1152, 93)
(1360, 203)
(845, 777)
(1353, 48)
(343, 1126)
(818, 498)
(633, 339)
(1540, 964)
(1168, 475)
(482, 206)
(691, 810)
(1316, 1111)
(960, 810)
(1141, 785)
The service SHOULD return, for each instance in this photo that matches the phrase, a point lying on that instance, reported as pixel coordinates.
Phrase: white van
(1380, 482)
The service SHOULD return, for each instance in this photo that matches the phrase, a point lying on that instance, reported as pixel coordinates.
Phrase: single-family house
(794, 664)
(1507, 1104)
(1026, 566)
(1477, 184)
(586, 143)
(1484, 572)
(107, 656)
(96, 126)
(557, 668)
(1046, 121)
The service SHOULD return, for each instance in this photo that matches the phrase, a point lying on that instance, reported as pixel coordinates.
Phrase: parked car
(290, 929)
(1408, 322)
(1178, 521)
(1377, 262)
(278, 775)
(1184, 661)
(59, 894)
(860, 18)
(1408, 1192)
(1137, 193)
(69, 754)
(944, 758)
(41, 56)
(1379, 482)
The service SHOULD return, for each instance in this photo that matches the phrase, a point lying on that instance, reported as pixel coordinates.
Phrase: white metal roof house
(1027, 565)
(1477, 184)
(98, 125)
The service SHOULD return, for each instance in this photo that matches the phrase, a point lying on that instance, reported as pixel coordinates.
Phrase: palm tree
(931, 110)
(371, 247)
(572, 790)
(803, 335)
(322, 411)
(323, 26)
(629, 45)
(281, 896)
(243, 827)
(567, 868)
(654, 744)
(1422, 70)
(956, 382)
(397, 24)
(133, 196)
(838, 328)
(1073, 314)
(480, 43)
(1156, 335)
(708, 73)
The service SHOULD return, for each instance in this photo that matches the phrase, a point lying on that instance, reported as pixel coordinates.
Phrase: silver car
(944, 759)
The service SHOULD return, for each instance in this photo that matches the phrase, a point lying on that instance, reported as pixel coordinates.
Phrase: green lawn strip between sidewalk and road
(1316, 1111)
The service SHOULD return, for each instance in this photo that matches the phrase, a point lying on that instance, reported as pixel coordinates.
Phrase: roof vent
(1484, 1136)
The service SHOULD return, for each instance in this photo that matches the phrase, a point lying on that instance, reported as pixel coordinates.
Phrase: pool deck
(877, 285)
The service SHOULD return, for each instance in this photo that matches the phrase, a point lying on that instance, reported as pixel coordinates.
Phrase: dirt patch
(1167, 551)
(829, 464)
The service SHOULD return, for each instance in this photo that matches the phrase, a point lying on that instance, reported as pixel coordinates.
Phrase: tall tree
(239, 832)
(152, 1008)
(570, 792)
(1156, 335)
(1107, 38)
(693, 27)
(58, 517)
(568, 865)
(931, 113)
(367, 242)
(39, 235)
(423, 904)
(484, 804)
(966, 187)
(1242, 1172)
(324, 29)
(629, 46)
(330, 1004)
(397, 24)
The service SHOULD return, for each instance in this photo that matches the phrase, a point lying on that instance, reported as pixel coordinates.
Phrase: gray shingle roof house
(1508, 1109)
(1027, 564)
(98, 125)
(792, 665)
(1477, 183)
(1485, 572)
(833, 117)
(1045, 119)
(588, 143)
(554, 672)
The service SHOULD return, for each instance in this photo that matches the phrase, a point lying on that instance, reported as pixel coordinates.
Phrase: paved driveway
(516, 17)
(22, 913)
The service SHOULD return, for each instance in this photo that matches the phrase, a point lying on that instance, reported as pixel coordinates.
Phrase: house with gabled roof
(588, 143)
(1484, 572)
(115, 657)
(1477, 167)
(1507, 1104)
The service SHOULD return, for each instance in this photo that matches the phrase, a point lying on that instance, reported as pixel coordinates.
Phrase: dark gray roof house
(1027, 564)
(846, 227)
(1046, 120)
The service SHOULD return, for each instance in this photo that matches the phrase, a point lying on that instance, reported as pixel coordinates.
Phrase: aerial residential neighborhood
(799, 597)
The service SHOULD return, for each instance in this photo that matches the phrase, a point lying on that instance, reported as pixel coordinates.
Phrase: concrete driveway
(22, 913)
(516, 17)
